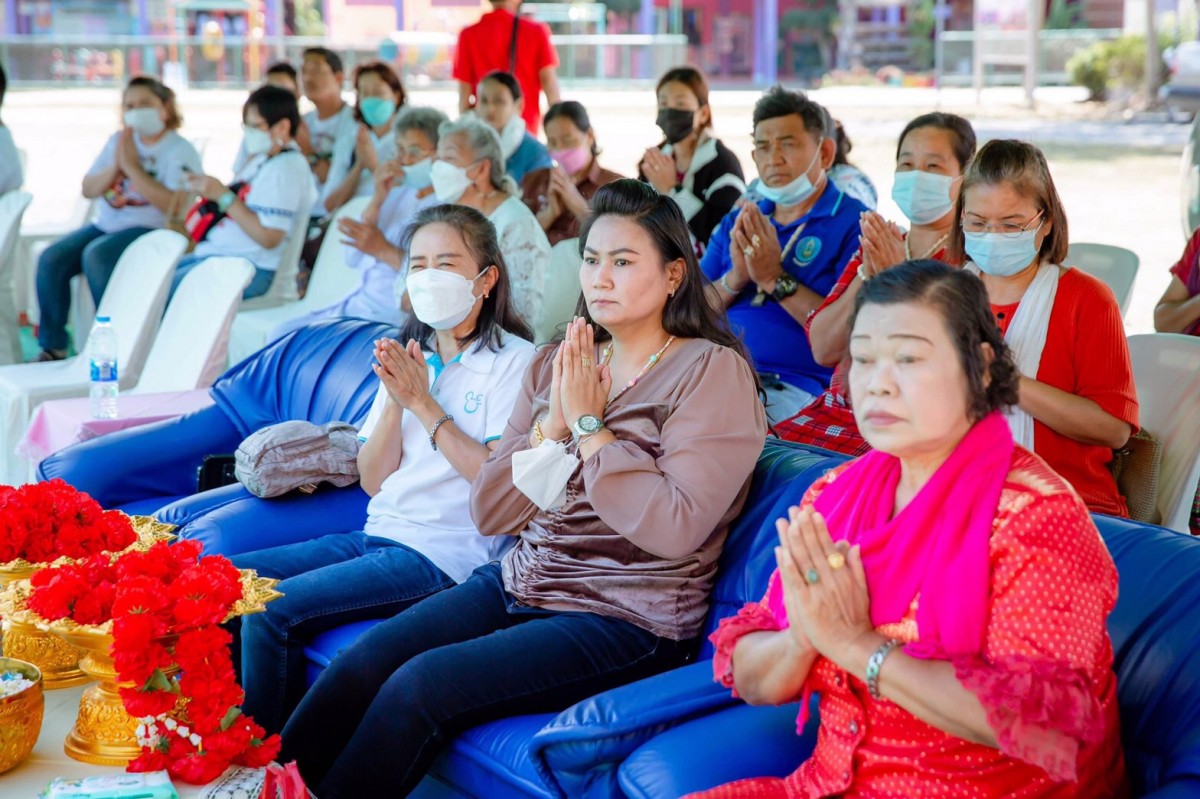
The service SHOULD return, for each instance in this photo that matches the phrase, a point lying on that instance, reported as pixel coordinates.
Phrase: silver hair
(484, 142)
(420, 118)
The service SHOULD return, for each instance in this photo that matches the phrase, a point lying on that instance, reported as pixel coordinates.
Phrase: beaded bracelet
(436, 425)
(723, 284)
(875, 663)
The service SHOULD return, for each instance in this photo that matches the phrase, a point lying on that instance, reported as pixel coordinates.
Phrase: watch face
(589, 424)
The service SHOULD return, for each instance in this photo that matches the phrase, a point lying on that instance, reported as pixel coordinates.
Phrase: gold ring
(585, 361)
(748, 251)
(755, 240)
(836, 560)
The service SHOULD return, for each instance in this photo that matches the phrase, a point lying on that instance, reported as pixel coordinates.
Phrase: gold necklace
(650, 364)
(936, 245)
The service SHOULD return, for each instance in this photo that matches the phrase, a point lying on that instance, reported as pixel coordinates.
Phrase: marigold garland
(166, 605)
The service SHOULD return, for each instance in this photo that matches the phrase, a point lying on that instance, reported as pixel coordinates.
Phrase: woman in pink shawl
(945, 594)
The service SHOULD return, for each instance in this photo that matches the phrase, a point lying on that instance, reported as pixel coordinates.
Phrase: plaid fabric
(828, 422)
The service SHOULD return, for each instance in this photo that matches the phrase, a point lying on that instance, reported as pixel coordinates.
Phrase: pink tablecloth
(59, 423)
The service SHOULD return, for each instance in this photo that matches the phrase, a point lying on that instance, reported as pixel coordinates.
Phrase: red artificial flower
(260, 755)
(148, 760)
(139, 703)
(137, 649)
(197, 769)
(205, 594)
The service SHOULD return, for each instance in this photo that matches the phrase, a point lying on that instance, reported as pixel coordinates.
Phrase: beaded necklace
(650, 364)
(929, 253)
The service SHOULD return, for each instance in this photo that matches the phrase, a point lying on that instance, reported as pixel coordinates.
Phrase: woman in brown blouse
(560, 195)
(656, 405)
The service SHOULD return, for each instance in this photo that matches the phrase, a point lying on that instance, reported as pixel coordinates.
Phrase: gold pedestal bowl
(20, 715)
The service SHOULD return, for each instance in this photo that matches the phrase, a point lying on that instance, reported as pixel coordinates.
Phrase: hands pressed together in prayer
(882, 245)
(824, 587)
(579, 386)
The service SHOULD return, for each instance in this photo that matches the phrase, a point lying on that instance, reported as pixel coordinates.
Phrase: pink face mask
(573, 161)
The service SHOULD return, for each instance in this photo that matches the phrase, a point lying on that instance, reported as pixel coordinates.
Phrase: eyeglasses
(1009, 230)
(414, 153)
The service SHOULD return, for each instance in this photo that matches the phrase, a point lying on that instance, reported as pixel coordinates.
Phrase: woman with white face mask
(469, 170)
(499, 105)
(267, 198)
(403, 188)
(136, 176)
(1077, 402)
(931, 155)
(446, 389)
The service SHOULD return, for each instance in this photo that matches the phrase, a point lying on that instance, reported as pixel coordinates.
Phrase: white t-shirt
(164, 161)
(526, 253)
(280, 189)
(336, 135)
(425, 504)
(11, 178)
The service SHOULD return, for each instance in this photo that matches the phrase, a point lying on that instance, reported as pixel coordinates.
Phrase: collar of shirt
(477, 357)
(827, 205)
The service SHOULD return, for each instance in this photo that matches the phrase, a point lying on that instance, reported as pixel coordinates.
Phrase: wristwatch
(225, 201)
(785, 286)
(586, 425)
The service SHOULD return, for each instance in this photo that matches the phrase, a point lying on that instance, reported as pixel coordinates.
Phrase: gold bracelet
(537, 432)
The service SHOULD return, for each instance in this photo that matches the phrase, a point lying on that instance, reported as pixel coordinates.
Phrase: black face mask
(676, 123)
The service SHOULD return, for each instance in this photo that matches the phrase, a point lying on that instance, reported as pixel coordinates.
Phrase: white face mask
(255, 141)
(441, 299)
(449, 181)
(511, 136)
(923, 197)
(999, 255)
(795, 192)
(144, 121)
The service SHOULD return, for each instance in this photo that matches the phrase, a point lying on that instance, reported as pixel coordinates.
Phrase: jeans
(88, 251)
(259, 284)
(378, 715)
(327, 582)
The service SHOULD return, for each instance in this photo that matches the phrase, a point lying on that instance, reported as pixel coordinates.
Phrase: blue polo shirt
(777, 342)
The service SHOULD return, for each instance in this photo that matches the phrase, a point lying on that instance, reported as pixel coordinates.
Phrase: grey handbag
(297, 454)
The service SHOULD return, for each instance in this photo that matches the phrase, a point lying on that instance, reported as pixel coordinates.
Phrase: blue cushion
(493, 760)
(697, 755)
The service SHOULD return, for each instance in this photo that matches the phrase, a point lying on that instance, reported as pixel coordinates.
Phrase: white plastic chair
(189, 350)
(12, 209)
(331, 281)
(134, 301)
(283, 286)
(1116, 266)
(36, 239)
(562, 291)
(1166, 370)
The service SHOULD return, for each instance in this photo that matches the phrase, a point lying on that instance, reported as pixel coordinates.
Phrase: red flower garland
(41, 522)
(191, 723)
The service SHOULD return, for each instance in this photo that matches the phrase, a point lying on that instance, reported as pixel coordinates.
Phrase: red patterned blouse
(1045, 676)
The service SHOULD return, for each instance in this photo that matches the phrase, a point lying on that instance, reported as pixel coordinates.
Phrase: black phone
(215, 471)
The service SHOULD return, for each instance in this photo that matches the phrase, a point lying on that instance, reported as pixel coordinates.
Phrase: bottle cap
(104, 320)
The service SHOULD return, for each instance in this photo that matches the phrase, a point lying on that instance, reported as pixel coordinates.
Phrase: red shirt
(1086, 354)
(1185, 269)
(484, 47)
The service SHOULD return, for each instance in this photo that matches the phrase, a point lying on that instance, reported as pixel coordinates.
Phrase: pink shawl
(936, 547)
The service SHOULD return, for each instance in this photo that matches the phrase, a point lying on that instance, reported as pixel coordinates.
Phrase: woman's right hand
(389, 175)
(554, 425)
(659, 169)
(882, 244)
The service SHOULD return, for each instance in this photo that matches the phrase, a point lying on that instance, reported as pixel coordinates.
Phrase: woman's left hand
(409, 386)
(832, 604)
(367, 239)
(364, 150)
(567, 192)
(207, 187)
(585, 383)
(127, 152)
(659, 169)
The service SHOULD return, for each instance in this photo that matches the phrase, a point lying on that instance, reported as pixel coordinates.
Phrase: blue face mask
(795, 192)
(418, 175)
(1000, 255)
(376, 111)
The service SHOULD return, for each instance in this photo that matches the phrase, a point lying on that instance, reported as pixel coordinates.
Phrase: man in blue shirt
(772, 263)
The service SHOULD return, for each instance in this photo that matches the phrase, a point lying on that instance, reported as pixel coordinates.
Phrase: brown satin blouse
(645, 517)
(534, 189)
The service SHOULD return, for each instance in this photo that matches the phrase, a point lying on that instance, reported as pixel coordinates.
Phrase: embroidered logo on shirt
(807, 250)
(473, 402)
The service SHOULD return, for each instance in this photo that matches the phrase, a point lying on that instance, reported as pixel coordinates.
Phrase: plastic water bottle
(102, 348)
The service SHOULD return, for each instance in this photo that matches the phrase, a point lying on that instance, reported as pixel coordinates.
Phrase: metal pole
(1152, 55)
(1033, 64)
(977, 54)
(939, 27)
(399, 14)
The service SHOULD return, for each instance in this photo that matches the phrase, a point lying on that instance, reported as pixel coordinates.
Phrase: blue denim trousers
(88, 251)
(326, 583)
(377, 717)
(260, 284)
